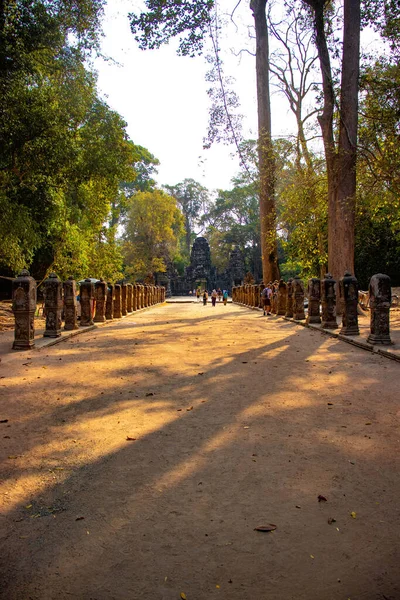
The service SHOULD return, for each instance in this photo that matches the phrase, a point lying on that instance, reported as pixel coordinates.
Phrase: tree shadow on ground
(252, 440)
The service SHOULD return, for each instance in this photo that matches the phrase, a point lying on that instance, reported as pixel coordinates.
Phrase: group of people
(222, 295)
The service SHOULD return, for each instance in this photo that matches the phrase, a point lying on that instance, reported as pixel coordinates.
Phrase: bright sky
(163, 98)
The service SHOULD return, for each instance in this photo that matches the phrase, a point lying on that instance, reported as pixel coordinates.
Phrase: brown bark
(265, 151)
(340, 161)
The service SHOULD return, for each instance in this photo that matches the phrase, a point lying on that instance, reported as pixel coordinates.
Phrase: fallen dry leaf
(331, 520)
(149, 394)
(266, 528)
(191, 408)
(322, 499)
(79, 518)
(353, 515)
(4, 421)
(130, 439)
(183, 595)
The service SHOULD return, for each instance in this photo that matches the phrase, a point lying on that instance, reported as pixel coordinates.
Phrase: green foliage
(154, 225)
(63, 152)
(166, 19)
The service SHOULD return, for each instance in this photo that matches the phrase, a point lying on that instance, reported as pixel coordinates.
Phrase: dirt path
(238, 421)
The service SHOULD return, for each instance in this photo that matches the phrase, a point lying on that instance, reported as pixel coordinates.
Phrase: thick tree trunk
(265, 151)
(340, 162)
(343, 257)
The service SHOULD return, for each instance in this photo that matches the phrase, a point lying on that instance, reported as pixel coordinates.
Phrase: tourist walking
(205, 297)
(225, 296)
(266, 298)
(198, 295)
(214, 295)
(219, 292)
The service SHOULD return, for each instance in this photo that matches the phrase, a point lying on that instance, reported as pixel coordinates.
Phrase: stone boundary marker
(100, 302)
(378, 338)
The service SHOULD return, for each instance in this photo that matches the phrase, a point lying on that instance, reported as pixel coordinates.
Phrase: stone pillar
(152, 295)
(163, 294)
(289, 299)
(100, 295)
(86, 295)
(53, 304)
(135, 297)
(328, 298)
(129, 297)
(259, 292)
(123, 299)
(314, 300)
(70, 305)
(117, 302)
(282, 295)
(110, 302)
(24, 307)
(274, 302)
(380, 299)
(298, 299)
(348, 290)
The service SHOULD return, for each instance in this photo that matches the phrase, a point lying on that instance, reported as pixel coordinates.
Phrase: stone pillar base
(312, 319)
(52, 334)
(352, 330)
(329, 325)
(379, 339)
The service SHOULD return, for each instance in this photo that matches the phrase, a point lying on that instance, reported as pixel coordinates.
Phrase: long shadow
(182, 501)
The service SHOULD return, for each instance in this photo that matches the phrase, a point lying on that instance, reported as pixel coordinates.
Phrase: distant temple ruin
(201, 273)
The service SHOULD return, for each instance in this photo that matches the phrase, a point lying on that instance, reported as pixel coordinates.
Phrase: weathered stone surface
(135, 297)
(289, 300)
(123, 299)
(100, 295)
(110, 302)
(314, 300)
(282, 298)
(380, 299)
(53, 305)
(129, 297)
(348, 290)
(328, 302)
(298, 299)
(86, 295)
(24, 306)
(117, 302)
(70, 305)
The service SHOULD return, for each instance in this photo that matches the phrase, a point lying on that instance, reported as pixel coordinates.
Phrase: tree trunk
(343, 257)
(265, 151)
(340, 162)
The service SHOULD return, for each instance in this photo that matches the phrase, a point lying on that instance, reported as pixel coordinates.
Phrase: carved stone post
(70, 305)
(348, 290)
(117, 302)
(100, 295)
(298, 299)
(282, 296)
(163, 294)
(24, 306)
(289, 299)
(380, 299)
(274, 303)
(86, 294)
(53, 304)
(134, 296)
(328, 303)
(314, 299)
(129, 297)
(123, 299)
(110, 302)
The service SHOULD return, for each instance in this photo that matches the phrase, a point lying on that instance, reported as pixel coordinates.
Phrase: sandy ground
(238, 421)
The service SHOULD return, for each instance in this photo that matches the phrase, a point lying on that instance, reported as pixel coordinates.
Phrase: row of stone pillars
(99, 302)
(287, 300)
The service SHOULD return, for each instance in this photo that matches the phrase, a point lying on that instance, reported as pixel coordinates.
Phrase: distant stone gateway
(201, 273)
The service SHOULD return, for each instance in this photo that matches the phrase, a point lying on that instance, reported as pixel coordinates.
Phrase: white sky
(163, 98)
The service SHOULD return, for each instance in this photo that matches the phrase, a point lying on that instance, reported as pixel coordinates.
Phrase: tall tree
(165, 19)
(340, 155)
(192, 199)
